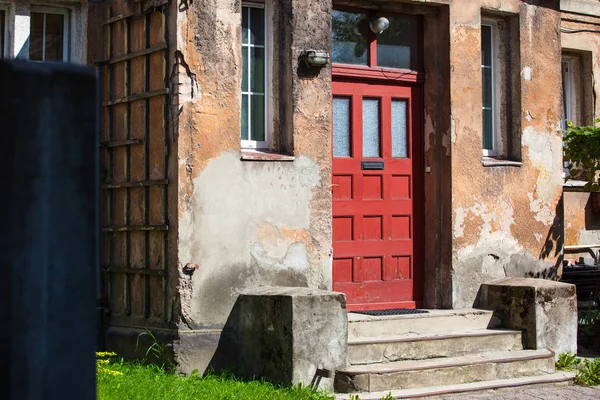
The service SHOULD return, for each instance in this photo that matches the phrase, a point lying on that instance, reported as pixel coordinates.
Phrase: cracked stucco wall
(504, 217)
(244, 224)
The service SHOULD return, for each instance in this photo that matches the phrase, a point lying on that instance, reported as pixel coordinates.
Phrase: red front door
(377, 194)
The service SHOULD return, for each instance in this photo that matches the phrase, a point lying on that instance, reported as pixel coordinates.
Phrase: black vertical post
(49, 235)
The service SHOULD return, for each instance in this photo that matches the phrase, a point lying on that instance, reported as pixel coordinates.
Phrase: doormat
(392, 311)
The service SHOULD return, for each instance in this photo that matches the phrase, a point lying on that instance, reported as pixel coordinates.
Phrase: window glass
(350, 37)
(54, 42)
(487, 87)
(47, 37)
(398, 46)
(399, 129)
(253, 74)
(566, 98)
(371, 128)
(36, 37)
(341, 127)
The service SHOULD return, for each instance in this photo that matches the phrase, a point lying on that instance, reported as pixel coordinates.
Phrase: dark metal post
(48, 164)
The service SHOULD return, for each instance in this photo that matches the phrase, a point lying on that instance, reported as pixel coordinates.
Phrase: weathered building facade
(410, 167)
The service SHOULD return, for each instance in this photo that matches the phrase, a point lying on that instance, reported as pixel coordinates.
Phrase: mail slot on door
(372, 165)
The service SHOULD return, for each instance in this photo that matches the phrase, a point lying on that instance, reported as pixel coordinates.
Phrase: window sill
(496, 162)
(573, 185)
(264, 155)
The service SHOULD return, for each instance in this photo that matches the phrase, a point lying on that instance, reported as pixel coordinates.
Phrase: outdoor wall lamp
(379, 25)
(315, 58)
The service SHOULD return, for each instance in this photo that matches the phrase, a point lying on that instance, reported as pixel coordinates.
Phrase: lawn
(135, 381)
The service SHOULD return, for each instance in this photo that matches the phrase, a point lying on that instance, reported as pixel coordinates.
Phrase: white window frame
(66, 28)
(494, 67)
(264, 144)
(6, 10)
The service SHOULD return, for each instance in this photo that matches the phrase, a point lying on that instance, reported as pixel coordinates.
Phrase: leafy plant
(589, 373)
(581, 145)
(567, 362)
(103, 360)
(354, 397)
(156, 349)
(388, 397)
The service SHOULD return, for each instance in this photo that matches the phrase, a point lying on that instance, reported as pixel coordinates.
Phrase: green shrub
(582, 152)
(567, 362)
(589, 373)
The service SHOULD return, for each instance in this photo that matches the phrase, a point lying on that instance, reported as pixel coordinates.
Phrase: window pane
(36, 37)
(2, 29)
(399, 129)
(370, 128)
(350, 33)
(257, 26)
(486, 45)
(257, 108)
(245, 69)
(341, 127)
(398, 46)
(257, 70)
(488, 136)
(55, 24)
(565, 97)
(245, 35)
(244, 134)
(487, 81)
(487, 84)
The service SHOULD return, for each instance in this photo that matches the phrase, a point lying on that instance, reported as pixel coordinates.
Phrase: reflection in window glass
(350, 37)
(398, 46)
(47, 37)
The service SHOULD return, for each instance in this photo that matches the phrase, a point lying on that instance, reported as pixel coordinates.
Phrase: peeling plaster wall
(249, 223)
(503, 216)
(581, 221)
(500, 219)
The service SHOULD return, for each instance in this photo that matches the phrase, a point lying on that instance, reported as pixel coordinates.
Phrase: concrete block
(545, 310)
(287, 334)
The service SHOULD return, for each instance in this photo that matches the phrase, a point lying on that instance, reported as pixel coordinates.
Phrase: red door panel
(377, 199)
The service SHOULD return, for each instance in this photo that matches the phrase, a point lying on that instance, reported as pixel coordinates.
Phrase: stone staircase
(437, 353)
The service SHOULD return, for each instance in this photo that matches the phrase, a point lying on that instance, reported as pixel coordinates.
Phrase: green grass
(136, 381)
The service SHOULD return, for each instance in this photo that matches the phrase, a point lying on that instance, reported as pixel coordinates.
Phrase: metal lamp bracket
(315, 58)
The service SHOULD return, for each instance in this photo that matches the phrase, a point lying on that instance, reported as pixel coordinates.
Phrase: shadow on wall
(227, 356)
(252, 354)
(553, 246)
(592, 212)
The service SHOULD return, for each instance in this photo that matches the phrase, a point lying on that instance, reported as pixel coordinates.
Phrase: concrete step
(438, 321)
(444, 371)
(559, 378)
(385, 349)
